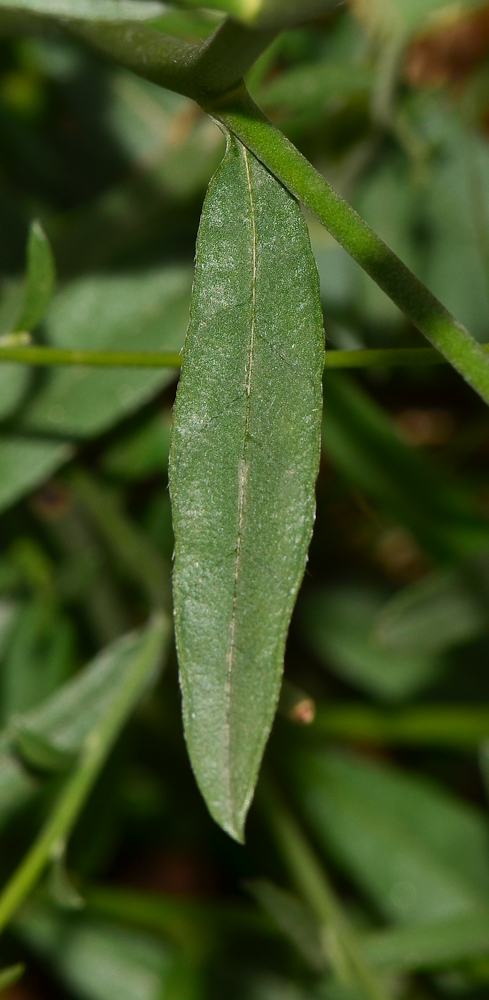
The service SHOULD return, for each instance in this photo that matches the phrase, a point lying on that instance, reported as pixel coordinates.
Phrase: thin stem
(250, 125)
(47, 356)
(368, 358)
(461, 727)
(311, 880)
(52, 837)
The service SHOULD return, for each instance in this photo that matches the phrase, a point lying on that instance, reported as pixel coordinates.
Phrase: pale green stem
(462, 727)
(311, 880)
(47, 356)
(369, 358)
(52, 838)
(250, 125)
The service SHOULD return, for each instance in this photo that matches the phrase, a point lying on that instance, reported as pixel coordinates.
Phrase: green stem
(157, 57)
(460, 727)
(242, 117)
(310, 878)
(47, 356)
(215, 67)
(52, 838)
(370, 358)
(222, 61)
(385, 357)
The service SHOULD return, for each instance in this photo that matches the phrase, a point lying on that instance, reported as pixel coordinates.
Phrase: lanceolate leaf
(92, 10)
(244, 460)
(40, 281)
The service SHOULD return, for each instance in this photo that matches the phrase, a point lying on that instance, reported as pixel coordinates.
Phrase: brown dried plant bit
(295, 705)
(449, 51)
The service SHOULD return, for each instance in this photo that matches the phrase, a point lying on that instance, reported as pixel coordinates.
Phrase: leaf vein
(244, 468)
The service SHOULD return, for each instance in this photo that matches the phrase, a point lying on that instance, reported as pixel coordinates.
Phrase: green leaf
(141, 453)
(447, 607)
(455, 207)
(25, 463)
(417, 851)
(91, 10)
(359, 438)
(38, 658)
(243, 466)
(430, 945)
(52, 734)
(49, 738)
(147, 311)
(40, 281)
(338, 625)
(131, 549)
(95, 959)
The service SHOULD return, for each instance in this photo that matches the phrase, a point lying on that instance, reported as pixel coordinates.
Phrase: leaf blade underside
(244, 460)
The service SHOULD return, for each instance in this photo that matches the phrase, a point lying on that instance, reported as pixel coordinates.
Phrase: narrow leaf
(338, 626)
(92, 10)
(361, 441)
(443, 609)
(430, 945)
(52, 734)
(40, 281)
(145, 311)
(95, 959)
(26, 462)
(243, 465)
(418, 852)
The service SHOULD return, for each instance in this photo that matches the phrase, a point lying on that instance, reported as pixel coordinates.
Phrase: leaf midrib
(243, 477)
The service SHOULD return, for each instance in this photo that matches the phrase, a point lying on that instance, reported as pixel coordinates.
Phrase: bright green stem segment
(47, 356)
(372, 358)
(345, 952)
(244, 119)
(52, 838)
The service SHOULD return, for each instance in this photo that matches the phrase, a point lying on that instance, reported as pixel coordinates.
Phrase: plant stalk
(369, 358)
(312, 882)
(244, 119)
